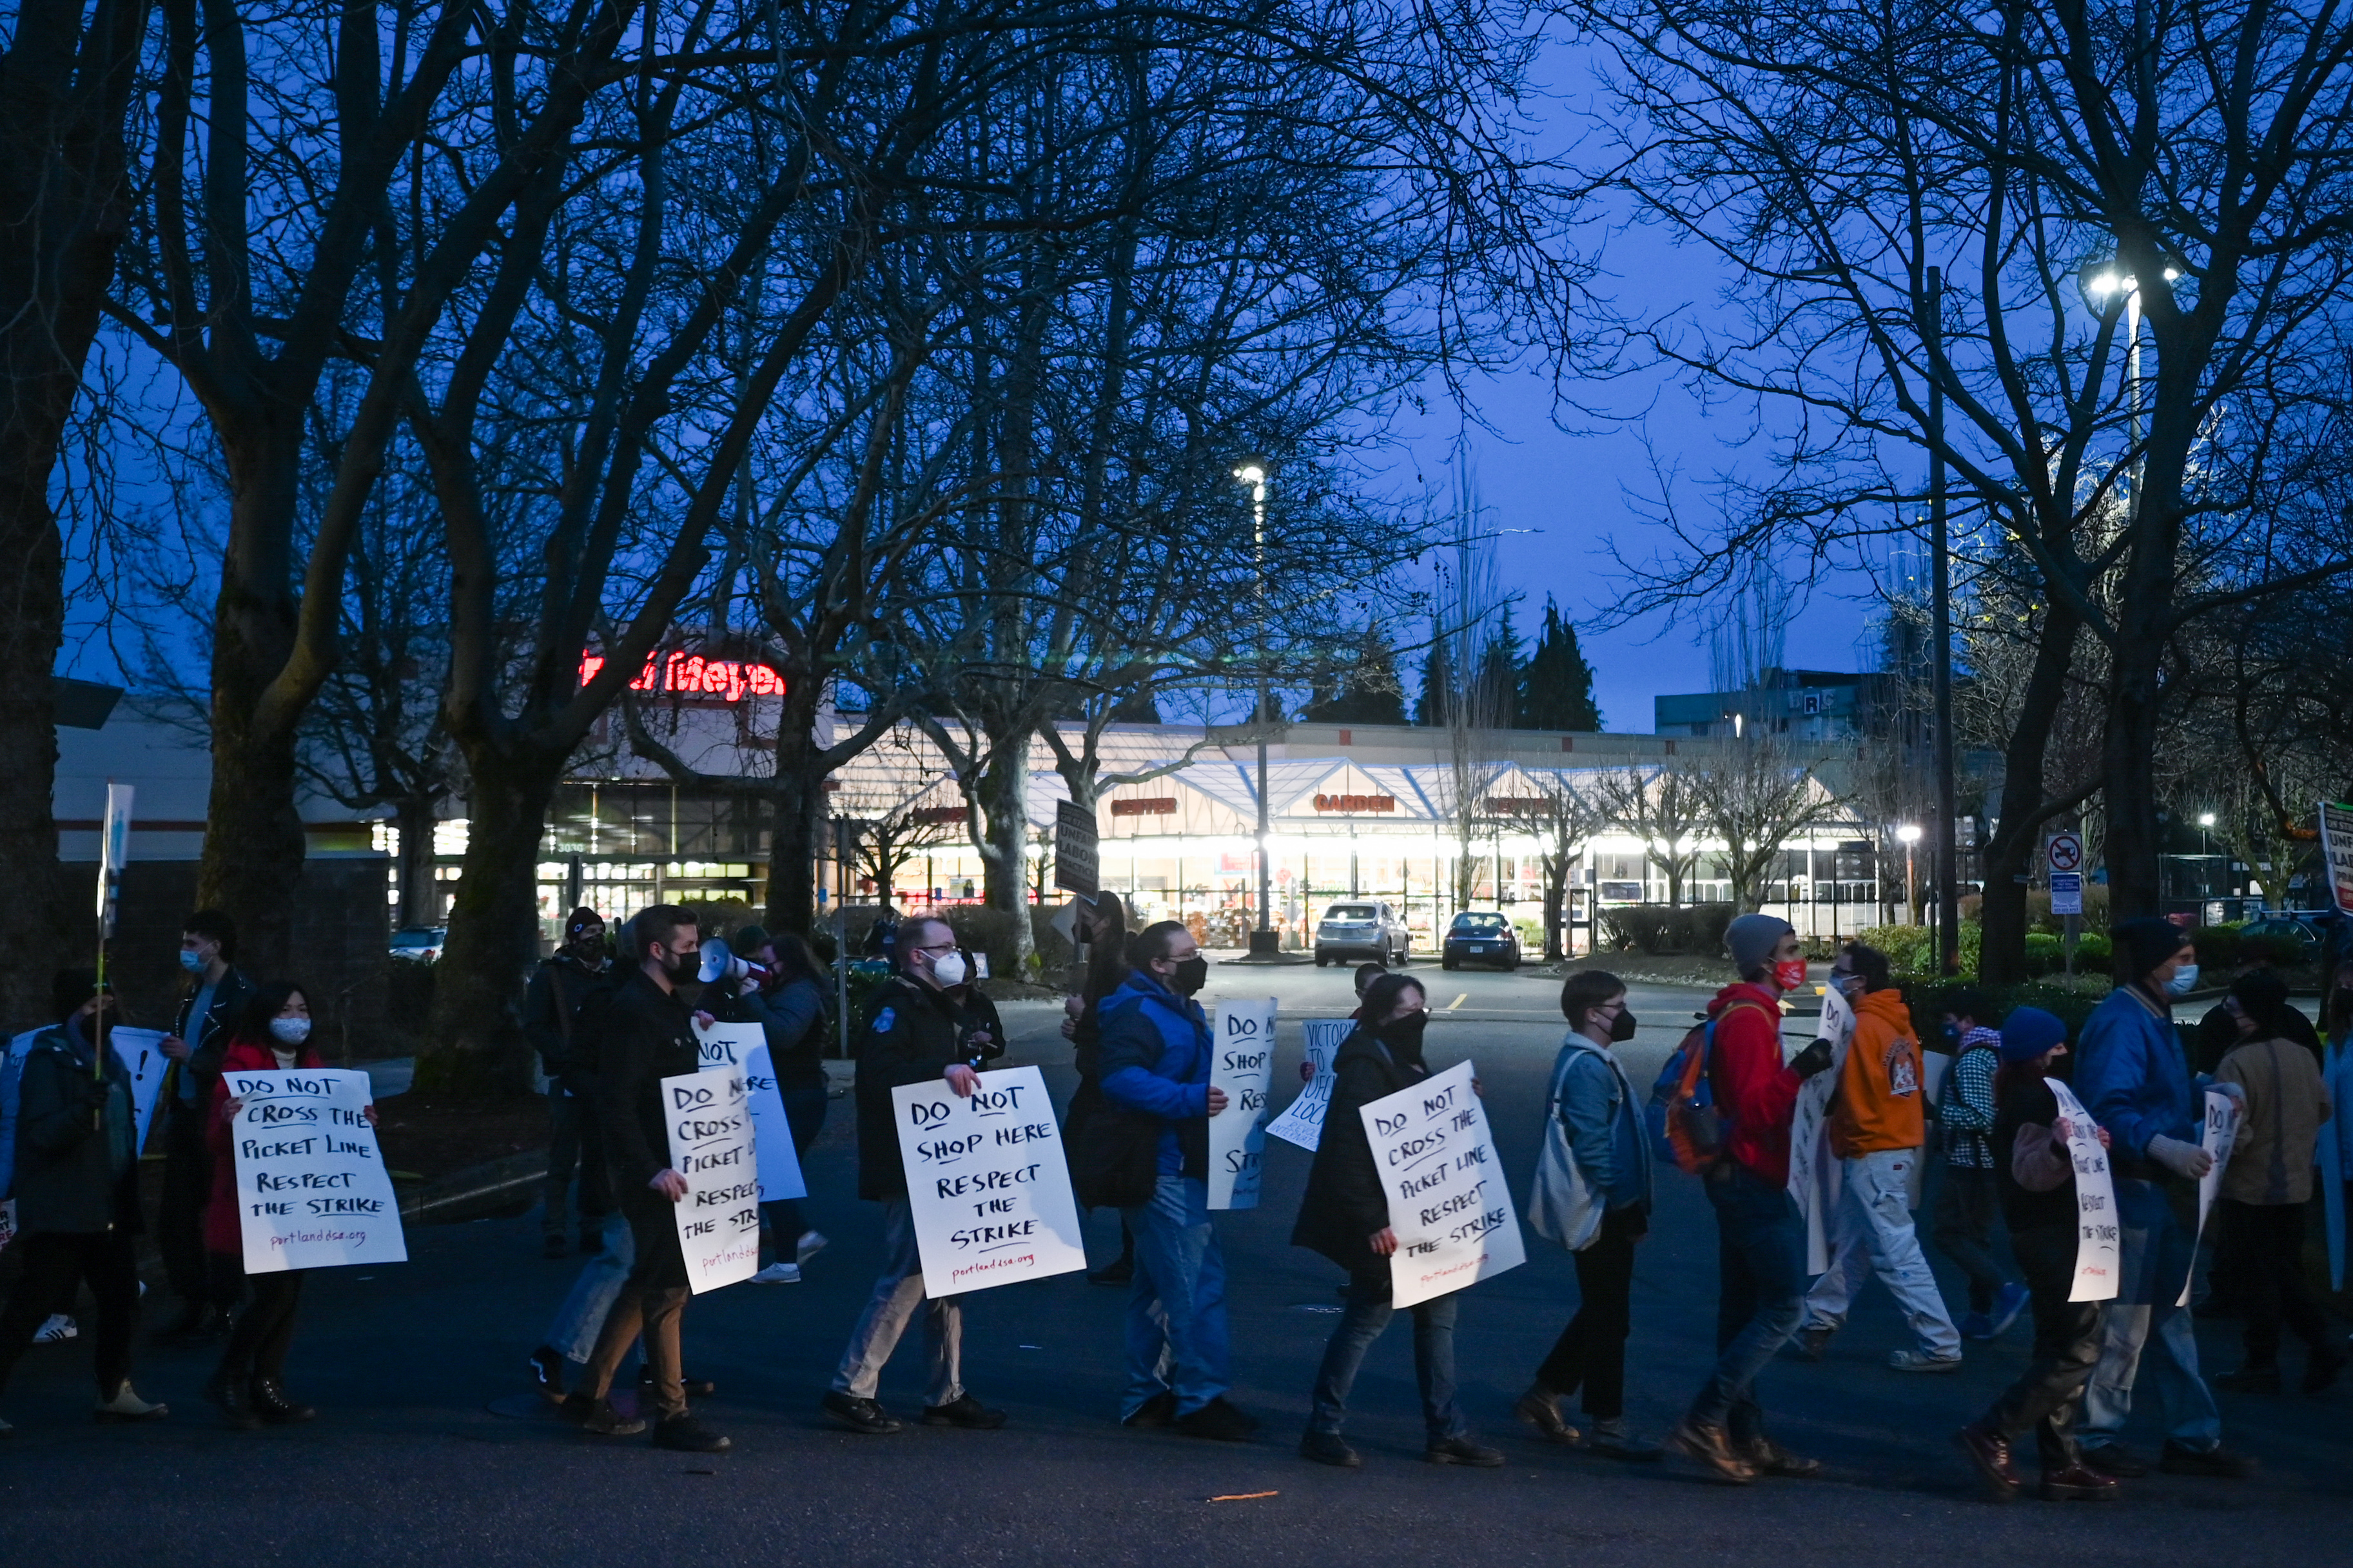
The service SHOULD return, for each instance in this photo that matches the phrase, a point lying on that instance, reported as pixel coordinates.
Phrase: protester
(272, 1034)
(1365, 974)
(2268, 1186)
(788, 1001)
(1761, 1236)
(77, 1189)
(549, 1005)
(1969, 1191)
(1108, 939)
(2134, 1083)
(648, 1036)
(917, 1032)
(216, 1000)
(2218, 1031)
(2036, 1176)
(1344, 1216)
(1877, 1129)
(59, 1325)
(1602, 1210)
(1154, 1059)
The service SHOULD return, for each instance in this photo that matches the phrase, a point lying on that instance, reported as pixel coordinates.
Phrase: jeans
(2143, 1318)
(265, 1330)
(2047, 1394)
(804, 1114)
(1591, 1351)
(582, 1317)
(652, 1303)
(2264, 1251)
(56, 1262)
(1368, 1312)
(1761, 1295)
(1965, 1204)
(1874, 1230)
(1177, 1306)
(897, 1293)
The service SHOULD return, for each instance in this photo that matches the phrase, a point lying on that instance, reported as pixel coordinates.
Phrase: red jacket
(222, 1231)
(1753, 1086)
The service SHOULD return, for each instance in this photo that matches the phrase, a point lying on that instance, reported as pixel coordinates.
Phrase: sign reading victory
(1243, 1065)
(987, 1181)
(1302, 1122)
(711, 1144)
(1447, 1203)
(311, 1189)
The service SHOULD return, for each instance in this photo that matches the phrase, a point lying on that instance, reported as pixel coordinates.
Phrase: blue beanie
(2029, 1032)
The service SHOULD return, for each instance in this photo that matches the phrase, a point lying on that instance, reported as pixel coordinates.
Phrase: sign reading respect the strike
(744, 1048)
(987, 1182)
(1447, 1203)
(2099, 1243)
(1302, 1122)
(311, 1189)
(1242, 1065)
(711, 1144)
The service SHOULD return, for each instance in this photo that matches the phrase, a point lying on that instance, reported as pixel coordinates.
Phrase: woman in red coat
(272, 1034)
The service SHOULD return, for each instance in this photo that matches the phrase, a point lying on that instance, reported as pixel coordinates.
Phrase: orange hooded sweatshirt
(1878, 1102)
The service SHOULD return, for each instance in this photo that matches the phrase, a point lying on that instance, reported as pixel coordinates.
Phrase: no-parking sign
(2064, 852)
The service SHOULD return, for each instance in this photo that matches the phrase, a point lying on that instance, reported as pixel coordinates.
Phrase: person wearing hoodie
(77, 1186)
(551, 1010)
(2135, 1081)
(1760, 1234)
(2036, 1176)
(1152, 1059)
(1345, 1216)
(1877, 1128)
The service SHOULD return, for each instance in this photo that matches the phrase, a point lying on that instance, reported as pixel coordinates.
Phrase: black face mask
(1190, 976)
(1622, 1028)
(683, 968)
(1403, 1035)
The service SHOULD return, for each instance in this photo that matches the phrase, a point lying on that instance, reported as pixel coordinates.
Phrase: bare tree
(890, 843)
(1756, 796)
(1658, 802)
(1564, 823)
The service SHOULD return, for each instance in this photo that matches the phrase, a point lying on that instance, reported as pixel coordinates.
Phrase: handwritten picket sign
(1242, 1065)
(311, 1189)
(1816, 1180)
(988, 1182)
(1302, 1122)
(712, 1145)
(1448, 1201)
(141, 1052)
(744, 1048)
(2218, 1137)
(2099, 1239)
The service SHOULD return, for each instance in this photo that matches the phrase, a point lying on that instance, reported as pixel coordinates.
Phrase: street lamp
(1908, 835)
(1253, 471)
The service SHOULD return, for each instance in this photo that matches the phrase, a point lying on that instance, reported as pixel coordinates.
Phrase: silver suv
(1362, 929)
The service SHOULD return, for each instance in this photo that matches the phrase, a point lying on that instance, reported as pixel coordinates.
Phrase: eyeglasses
(935, 949)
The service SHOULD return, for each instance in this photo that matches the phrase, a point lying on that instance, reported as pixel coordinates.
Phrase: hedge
(1668, 927)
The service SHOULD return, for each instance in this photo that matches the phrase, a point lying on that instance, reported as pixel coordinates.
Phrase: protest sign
(744, 1047)
(2217, 1137)
(2099, 1242)
(141, 1051)
(1934, 1065)
(1242, 1065)
(1447, 1203)
(987, 1181)
(1302, 1122)
(711, 1144)
(311, 1189)
(1815, 1179)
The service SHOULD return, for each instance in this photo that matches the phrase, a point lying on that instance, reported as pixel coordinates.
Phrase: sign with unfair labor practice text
(987, 1182)
(711, 1145)
(1243, 1065)
(311, 1189)
(1448, 1201)
(744, 1048)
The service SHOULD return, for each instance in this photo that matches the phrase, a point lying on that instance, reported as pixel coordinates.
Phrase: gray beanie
(1752, 938)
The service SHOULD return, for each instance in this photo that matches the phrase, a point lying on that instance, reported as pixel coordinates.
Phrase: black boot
(228, 1390)
(271, 1403)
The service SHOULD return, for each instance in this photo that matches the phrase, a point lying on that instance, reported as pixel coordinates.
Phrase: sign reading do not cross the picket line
(311, 1189)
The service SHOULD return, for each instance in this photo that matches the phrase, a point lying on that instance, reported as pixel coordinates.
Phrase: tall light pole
(1909, 834)
(1253, 471)
(1947, 848)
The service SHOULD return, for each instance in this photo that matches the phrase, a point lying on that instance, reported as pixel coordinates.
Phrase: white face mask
(948, 969)
(290, 1031)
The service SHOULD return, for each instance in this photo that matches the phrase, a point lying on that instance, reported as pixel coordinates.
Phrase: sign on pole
(1815, 1179)
(2067, 893)
(113, 854)
(1302, 1121)
(989, 1182)
(744, 1048)
(1075, 862)
(311, 1189)
(2099, 1243)
(2337, 850)
(2217, 1137)
(1242, 1065)
(1447, 1203)
(2063, 852)
(711, 1144)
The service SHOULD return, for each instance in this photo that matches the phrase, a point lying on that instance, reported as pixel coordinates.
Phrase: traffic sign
(2064, 851)
(2067, 893)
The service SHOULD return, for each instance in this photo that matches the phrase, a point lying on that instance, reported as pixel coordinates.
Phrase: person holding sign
(76, 1188)
(1345, 1216)
(216, 998)
(784, 995)
(2135, 1083)
(1154, 1059)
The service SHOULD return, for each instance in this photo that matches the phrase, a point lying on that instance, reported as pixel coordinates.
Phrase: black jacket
(647, 1035)
(1346, 1202)
(76, 1155)
(549, 1007)
(914, 1035)
(207, 1038)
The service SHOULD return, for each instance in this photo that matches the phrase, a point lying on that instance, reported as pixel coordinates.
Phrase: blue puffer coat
(1154, 1056)
(2131, 1076)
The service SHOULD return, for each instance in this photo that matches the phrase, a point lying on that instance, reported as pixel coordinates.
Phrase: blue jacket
(1155, 1055)
(1605, 1129)
(12, 1089)
(2131, 1076)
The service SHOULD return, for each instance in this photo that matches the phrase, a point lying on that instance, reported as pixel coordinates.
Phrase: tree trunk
(475, 1049)
(1005, 806)
(1555, 891)
(413, 816)
(2129, 766)
(797, 800)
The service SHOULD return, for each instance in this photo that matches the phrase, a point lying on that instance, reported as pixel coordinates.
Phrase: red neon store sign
(729, 680)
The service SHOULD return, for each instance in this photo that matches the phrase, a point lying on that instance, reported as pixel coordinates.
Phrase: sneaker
(1329, 1448)
(1611, 1440)
(1976, 1326)
(59, 1328)
(1160, 1410)
(2079, 1483)
(1811, 1345)
(1921, 1361)
(860, 1415)
(778, 1274)
(1540, 1408)
(1768, 1458)
(2115, 1460)
(126, 1406)
(964, 1411)
(811, 1244)
(2012, 1301)
(1710, 1446)
(599, 1418)
(2322, 1369)
(688, 1436)
(2250, 1380)
(2217, 1462)
(1989, 1452)
(1463, 1451)
(547, 1371)
(1218, 1421)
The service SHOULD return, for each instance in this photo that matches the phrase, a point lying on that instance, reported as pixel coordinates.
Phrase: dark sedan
(1478, 937)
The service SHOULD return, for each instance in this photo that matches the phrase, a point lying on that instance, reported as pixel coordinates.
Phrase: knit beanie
(2147, 942)
(2029, 1032)
(580, 919)
(1751, 939)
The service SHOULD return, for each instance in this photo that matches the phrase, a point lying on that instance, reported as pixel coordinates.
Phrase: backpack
(1685, 1129)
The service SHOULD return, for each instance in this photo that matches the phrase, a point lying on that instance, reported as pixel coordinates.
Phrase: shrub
(1708, 923)
(1928, 1000)
(1668, 927)
(2220, 947)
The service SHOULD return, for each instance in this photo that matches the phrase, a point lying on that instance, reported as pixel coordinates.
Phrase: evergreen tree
(1367, 694)
(1437, 687)
(1497, 686)
(1556, 689)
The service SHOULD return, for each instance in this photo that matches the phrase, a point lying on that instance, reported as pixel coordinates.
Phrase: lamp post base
(1265, 943)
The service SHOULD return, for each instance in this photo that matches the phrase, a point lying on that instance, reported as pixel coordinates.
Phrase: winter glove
(1814, 1058)
(2186, 1160)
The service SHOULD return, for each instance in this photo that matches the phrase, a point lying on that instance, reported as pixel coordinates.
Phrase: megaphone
(718, 963)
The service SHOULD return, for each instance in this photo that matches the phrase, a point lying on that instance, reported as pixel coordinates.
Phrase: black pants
(257, 1346)
(565, 1114)
(2049, 1394)
(55, 1263)
(1591, 1351)
(180, 1214)
(1965, 1202)
(2262, 1252)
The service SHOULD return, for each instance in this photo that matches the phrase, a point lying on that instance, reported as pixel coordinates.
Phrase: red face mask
(1791, 974)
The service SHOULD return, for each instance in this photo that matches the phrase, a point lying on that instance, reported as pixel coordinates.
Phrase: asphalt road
(407, 1466)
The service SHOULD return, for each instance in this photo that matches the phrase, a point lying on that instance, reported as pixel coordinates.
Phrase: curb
(475, 1191)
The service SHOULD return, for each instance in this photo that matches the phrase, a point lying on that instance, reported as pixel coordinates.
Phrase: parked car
(2298, 930)
(1480, 936)
(1362, 929)
(418, 944)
